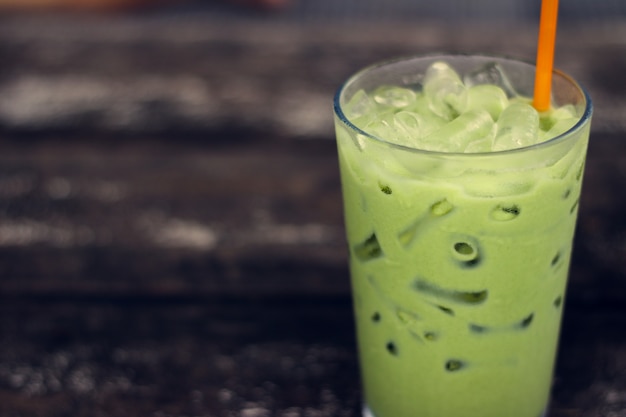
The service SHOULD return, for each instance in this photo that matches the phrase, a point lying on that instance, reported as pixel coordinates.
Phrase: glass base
(368, 413)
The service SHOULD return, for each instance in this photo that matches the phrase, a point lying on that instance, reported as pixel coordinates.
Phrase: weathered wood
(171, 235)
(197, 75)
(145, 217)
(275, 357)
(89, 219)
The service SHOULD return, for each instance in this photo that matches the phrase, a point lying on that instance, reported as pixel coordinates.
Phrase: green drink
(460, 208)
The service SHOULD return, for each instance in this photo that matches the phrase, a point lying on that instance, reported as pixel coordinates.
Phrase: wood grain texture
(171, 233)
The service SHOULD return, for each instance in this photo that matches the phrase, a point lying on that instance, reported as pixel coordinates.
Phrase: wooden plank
(171, 235)
(149, 219)
(285, 357)
(136, 74)
(145, 218)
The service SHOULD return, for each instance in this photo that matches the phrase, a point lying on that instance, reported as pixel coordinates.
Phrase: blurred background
(403, 10)
(68, 63)
(307, 10)
(171, 230)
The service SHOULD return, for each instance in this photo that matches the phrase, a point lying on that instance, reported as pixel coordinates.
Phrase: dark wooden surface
(171, 236)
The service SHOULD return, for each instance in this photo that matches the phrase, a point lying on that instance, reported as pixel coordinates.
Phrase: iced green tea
(460, 205)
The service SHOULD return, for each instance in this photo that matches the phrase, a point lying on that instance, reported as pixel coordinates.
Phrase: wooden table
(171, 234)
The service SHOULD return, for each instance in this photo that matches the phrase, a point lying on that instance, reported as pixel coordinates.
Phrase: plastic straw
(545, 54)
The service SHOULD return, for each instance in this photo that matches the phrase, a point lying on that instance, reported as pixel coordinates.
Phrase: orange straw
(545, 54)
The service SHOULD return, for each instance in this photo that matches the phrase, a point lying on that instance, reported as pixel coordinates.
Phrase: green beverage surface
(458, 269)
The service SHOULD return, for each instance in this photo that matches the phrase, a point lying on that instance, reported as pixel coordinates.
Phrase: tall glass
(459, 261)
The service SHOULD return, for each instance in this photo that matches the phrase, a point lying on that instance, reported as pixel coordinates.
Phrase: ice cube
(429, 121)
(487, 97)
(491, 73)
(408, 121)
(445, 91)
(558, 128)
(378, 124)
(372, 123)
(564, 112)
(518, 126)
(548, 118)
(480, 145)
(455, 136)
(392, 96)
(360, 104)
(410, 126)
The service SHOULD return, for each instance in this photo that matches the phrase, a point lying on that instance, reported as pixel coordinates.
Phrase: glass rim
(582, 121)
